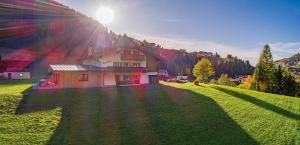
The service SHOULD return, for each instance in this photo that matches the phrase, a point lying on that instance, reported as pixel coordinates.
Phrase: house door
(100, 80)
(9, 76)
(55, 79)
(117, 77)
(68, 81)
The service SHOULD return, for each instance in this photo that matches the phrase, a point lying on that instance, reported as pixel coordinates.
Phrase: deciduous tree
(203, 70)
(224, 80)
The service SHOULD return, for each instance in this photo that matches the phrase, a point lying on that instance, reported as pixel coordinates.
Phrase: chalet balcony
(128, 82)
(133, 57)
(126, 69)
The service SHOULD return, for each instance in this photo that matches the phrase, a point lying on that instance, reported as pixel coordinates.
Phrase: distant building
(238, 79)
(14, 69)
(182, 77)
(163, 73)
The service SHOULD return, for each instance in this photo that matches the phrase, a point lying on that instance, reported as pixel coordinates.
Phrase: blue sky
(238, 27)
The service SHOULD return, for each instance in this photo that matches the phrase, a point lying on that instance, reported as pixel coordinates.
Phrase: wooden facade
(69, 79)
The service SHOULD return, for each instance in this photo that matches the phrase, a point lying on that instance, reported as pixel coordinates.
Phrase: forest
(180, 62)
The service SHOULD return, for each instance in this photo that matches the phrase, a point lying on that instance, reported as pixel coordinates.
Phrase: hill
(182, 62)
(165, 114)
(292, 63)
(46, 32)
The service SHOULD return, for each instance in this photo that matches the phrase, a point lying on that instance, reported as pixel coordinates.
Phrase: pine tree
(264, 71)
(289, 83)
(203, 70)
(278, 74)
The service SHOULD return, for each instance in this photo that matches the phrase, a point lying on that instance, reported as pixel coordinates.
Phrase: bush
(241, 86)
(213, 81)
(249, 83)
(196, 82)
(263, 86)
(224, 80)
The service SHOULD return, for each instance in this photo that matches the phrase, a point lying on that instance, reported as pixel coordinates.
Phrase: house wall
(60, 81)
(72, 79)
(109, 79)
(91, 82)
(144, 78)
(151, 63)
(17, 75)
(96, 79)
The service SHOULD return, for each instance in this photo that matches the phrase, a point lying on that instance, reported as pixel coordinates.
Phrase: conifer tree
(279, 80)
(289, 83)
(264, 71)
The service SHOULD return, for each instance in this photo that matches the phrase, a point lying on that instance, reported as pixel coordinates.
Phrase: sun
(105, 15)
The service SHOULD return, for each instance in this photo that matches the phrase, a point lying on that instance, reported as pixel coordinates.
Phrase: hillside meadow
(168, 113)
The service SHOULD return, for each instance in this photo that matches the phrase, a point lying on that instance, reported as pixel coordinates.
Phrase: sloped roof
(14, 65)
(133, 44)
(71, 67)
(67, 67)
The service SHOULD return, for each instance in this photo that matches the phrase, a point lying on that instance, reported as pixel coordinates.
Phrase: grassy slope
(167, 114)
(33, 128)
(267, 118)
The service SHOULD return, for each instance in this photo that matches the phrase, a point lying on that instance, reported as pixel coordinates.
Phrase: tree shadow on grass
(259, 103)
(39, 100)
(200, 120)
(180, 116)
(80, 109)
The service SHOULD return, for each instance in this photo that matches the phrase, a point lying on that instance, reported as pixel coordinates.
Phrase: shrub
(213, 81)
(224, 80)
(196, 82)
(249, 83)
(263, 87)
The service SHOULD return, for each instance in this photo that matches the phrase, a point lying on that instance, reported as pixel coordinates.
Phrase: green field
(165, 114)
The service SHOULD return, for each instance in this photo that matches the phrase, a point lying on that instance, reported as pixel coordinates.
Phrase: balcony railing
(134, 57)
(131, 82)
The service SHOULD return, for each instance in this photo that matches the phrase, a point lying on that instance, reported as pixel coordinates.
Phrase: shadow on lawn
(134, 115)
(259, 103)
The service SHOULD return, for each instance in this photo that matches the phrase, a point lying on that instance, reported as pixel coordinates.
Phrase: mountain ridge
(292, 63)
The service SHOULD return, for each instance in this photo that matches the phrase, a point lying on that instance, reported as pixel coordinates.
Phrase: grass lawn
(165, 114)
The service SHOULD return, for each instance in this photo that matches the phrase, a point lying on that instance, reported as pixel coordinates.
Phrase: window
(135, 52)
(116, 64)
(137, 65)
(130, 77)
(136, 77)
(84, 77)
(126, 64)
(127, 52)
(126, 78)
